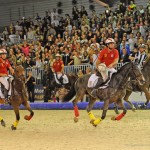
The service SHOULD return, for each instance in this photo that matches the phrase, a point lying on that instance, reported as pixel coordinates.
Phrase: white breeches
(64, 76)
(4, 81)
(112, 70)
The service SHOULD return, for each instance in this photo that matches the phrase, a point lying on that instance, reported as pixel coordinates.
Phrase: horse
(112, 93)
(18, 96)
(139, 88)
(54, 89)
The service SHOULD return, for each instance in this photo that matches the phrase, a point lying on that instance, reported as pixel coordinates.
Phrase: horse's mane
(122, 68)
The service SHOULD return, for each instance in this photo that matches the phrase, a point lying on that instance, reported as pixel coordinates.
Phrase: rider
(4, 66)
(107, 60)
(58, 68)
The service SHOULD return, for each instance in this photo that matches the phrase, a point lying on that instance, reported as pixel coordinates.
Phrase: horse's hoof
(92, 121)
(76, 119)
(3, 123)
(113, 118)
(94, 125)
(142, 106)
(26, 117)
(13, 128)
(133, 109)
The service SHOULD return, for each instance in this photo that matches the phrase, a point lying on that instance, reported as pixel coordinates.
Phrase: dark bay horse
(113, 93)
(53, 88)
(18, 96)
(140, 88)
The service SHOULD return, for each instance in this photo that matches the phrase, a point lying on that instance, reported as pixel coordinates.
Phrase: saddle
(97, 81)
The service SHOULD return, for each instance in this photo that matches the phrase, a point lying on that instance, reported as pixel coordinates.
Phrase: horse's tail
(70, 94)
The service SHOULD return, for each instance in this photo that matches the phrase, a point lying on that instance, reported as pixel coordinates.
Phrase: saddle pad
(92, 80)
(105, 85)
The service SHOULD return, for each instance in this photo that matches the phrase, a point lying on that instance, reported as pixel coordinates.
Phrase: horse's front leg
(15, 124)
(126, 98)
(120, 116)
(2, 122)
(147, 95)
(27, 106)
(116, 108)
(89, 108)
(105, 108)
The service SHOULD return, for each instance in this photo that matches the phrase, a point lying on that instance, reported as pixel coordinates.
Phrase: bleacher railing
(39, 72)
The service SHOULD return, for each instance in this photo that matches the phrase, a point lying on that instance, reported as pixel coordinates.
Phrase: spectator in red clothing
(25, 49)
(4, 66)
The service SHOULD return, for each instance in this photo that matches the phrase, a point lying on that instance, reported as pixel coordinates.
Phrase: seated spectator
(124, 56)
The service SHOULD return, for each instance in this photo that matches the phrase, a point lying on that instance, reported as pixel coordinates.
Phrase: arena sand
(55, 130)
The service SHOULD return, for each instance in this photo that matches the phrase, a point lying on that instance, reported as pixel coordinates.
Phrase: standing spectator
(141, 56)
(30, 34)
(132, 42)
(30, 86)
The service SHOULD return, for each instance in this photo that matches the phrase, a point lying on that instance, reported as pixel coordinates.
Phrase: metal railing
(39, 72)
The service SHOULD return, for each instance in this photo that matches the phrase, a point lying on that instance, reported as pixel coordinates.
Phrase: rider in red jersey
(107, 61)
(58, 68)
(4, 67)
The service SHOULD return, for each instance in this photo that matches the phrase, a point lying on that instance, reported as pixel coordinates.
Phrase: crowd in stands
(78, 37)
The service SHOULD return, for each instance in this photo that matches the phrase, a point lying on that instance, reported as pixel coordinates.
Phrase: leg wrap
(76, 111)
(97, 121)
(92, 117)
(16, 123)
(1, 118)
(119, 117)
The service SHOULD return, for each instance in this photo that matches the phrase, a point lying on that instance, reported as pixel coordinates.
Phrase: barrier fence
(39, 72)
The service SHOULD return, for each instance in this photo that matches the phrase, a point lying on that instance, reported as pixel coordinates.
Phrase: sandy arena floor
(55, 130)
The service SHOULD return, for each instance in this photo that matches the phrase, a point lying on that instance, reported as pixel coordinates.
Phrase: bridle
(19, 78)
(138, 76)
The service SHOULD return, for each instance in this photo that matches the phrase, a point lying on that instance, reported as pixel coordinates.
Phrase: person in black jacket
(124, 56)
(66, 57)
(30, 82)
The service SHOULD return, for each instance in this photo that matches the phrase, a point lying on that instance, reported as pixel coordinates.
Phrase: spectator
(30, 82)
(124, 56)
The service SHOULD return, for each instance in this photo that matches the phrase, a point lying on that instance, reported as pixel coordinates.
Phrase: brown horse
(111, 94)
(18, 96)
(140, 88)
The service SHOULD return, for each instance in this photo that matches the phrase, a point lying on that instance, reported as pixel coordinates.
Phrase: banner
(39, 92)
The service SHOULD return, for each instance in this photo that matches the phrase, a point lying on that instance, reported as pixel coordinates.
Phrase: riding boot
(99, 83)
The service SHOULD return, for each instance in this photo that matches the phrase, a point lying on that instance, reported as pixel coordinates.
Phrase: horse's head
(19, 73)
(137, 74)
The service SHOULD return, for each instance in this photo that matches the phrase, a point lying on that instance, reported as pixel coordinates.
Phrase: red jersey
(4, 65)
(108, 56)
(57, 65)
